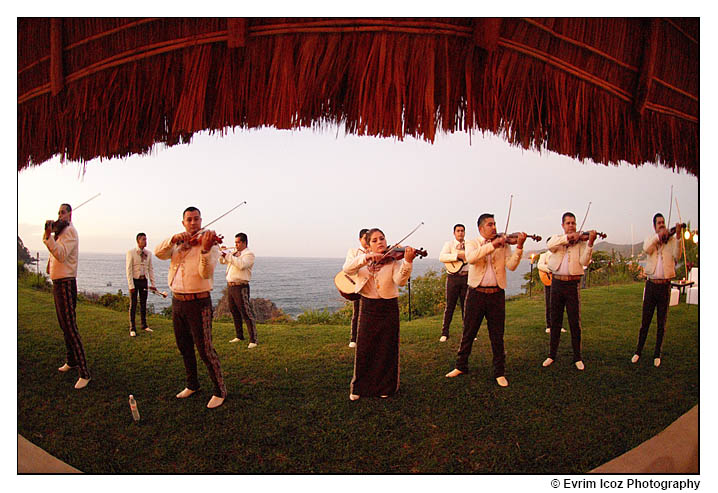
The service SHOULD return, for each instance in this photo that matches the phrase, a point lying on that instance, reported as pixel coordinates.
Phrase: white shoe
(353, 397)
(215, 402)
(65, 368)
(82, 383)
(352, 344)
(547, 362)
(384, 396)
(236, 339)
(579, 365)
(502, 382)
(563, 330)
(454, 373)
(133, 333)
(147, 329)
(185, 393)
(442, 339)
(548, 330)
(251, 345)
(635, 358)
(656, 362)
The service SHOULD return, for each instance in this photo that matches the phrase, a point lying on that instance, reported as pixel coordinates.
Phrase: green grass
(288, 409)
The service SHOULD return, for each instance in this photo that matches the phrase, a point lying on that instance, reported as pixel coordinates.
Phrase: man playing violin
(453, 255)
(62, 267)
(570, 252)
(239, 273)
(352, 253)
(662, 250)
(138, 268)
(193, 255)
(488, 256)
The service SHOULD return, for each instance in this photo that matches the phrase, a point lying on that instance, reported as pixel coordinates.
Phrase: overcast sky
(309, 192)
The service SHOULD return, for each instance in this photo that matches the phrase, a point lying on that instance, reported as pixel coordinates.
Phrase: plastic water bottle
(133, 408)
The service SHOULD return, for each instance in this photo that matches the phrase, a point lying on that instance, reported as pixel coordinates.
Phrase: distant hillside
(624, 250)
(604, 246)
(23, 253)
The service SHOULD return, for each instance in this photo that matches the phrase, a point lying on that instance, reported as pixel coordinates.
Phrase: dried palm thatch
(608, 90)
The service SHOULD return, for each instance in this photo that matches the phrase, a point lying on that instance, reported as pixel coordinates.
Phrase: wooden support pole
(237, 32)
(486, 33)
(56, 71)
(648, 64)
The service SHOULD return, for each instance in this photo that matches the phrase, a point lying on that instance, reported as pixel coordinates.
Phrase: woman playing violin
(376, 361)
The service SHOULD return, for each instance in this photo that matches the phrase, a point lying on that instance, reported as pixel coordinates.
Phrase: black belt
(488, 289)
(566, 278)
(191, 296)
(659, 281)
(64, 279)
(237, 283)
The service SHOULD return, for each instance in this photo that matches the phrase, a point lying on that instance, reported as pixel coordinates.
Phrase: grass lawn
(288, 409)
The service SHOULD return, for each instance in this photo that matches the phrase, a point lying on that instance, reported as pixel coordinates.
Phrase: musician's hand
(181, 237)
(208, 239)
(521, 240)
(573, 237)
(372, 257)
(591, 237)
(48, 230)
(132, 292)
(409, 254)
(461, 256)
(153, 288)
(663, 235)
(679, 228)
(499, 241)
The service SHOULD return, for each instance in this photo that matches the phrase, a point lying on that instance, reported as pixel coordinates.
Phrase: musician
(662, 251)
(453, 252)
(488, 256)
(569, 255)
(542, 266)
(239, 273)
(376, 360)
(138, 267)
(352, 253)
(62, 267)
(192, 261)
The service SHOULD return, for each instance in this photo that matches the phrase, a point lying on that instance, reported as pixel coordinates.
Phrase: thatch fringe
(568, 85)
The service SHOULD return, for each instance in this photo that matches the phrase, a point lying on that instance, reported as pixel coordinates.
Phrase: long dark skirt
(376, 360)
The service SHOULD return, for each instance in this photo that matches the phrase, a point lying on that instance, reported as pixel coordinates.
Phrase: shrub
(427, 296)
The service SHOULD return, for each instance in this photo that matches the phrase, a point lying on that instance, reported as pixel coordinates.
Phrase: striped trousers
(192, 321)
(65, 293)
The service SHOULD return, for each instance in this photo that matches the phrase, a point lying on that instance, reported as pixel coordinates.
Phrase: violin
(59, 226)
(513, 238)
(672, 231)
(196, 239)
(583, 236)
(398, 254)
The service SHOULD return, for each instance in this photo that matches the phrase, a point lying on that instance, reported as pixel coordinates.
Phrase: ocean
(293, 284)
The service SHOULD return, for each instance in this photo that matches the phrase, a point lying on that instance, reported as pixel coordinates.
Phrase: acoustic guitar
(545, 277)
(454, 267)
(346, 284)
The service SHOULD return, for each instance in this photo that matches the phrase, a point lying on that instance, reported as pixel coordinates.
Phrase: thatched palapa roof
(607, 90)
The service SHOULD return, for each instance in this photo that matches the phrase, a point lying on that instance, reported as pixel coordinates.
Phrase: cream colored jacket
(670, 252)
(477, 255)
(195, 270)
(239, 267)
(579, 254)
(542, 263)
(383, 284)
(351, 255)
(64, 253)
(136, 267)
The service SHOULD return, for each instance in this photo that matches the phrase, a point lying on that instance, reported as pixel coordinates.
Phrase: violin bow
(584, 218)
(511, 201)
(217, 219)
(91, 198)
(670, 207)
(683, 242)
(399, 242)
